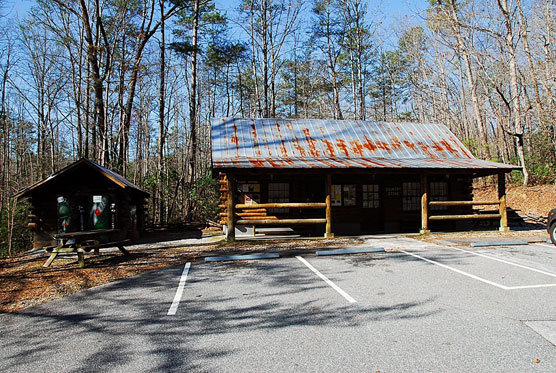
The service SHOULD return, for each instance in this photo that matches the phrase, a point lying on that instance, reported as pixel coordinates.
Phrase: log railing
(257, 214)
(501, 203)
(501, 214)
(253, 220)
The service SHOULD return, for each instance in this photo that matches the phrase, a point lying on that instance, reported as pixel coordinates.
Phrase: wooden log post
(328, 230)
(230, 213)
(424, 205)
(81, 256)
(502, 198)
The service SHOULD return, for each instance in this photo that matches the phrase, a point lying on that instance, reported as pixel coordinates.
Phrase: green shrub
(204, 198)
(21, 236)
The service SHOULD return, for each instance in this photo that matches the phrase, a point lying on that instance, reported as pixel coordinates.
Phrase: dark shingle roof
(117, 179)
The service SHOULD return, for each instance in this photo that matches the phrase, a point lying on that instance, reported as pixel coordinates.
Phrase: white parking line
(333, 285)
(532, 286)
(174, 307)
(545, 245)
(457, 270)
(500, 286)
(505, 261)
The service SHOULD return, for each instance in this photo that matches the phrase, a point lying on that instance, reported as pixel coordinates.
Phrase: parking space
(417, 307)
(495, 270)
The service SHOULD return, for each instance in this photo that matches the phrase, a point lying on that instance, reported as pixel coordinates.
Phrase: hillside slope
(539, 199)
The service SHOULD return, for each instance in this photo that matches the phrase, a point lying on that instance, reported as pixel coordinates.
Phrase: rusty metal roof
(311, 143)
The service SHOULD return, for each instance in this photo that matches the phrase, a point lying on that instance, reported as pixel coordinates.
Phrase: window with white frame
(371, 196)
(439, 192)
(411, 196)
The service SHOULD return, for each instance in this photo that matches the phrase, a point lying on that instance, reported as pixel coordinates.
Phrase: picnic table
(81, 242)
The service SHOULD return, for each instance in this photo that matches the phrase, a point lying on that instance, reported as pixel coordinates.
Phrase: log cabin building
(348, 176)
(85, 196)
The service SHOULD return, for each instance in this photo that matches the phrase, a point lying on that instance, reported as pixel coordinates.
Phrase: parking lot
(415, 307)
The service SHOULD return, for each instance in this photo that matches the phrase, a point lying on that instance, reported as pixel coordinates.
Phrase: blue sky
(391, 14)
(392, 9)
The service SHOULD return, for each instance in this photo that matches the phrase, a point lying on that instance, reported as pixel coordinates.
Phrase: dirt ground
(24, 282)
(539, 199)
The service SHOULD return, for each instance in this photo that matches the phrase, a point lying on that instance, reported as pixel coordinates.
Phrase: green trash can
(99, 216)
(68, 215)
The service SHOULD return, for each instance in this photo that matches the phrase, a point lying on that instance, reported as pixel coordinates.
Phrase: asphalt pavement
(416, 307)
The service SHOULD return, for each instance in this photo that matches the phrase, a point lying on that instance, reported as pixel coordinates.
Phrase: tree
(357, 43)
(448, 12)
(328, 32)
(515, 107)
(195, 17)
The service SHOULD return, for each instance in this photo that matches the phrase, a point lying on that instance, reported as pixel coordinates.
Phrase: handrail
(465, 217)
(312, 205)
(281, 221)
(462, 203)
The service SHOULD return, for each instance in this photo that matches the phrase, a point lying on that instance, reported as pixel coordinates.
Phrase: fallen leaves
(25, 282)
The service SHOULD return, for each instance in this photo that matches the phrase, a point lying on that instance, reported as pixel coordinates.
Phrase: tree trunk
(514, 86)
(193, 96)
(264, 47)
(98, 86)
(253, 58)
(159, 209)
(463, 50)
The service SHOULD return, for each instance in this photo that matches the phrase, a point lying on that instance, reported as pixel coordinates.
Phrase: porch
(352, 202)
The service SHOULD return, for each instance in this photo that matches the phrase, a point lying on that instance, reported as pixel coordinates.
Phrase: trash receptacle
(99, 216)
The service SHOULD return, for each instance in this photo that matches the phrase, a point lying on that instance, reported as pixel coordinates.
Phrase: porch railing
(257, 215)
(500, 214)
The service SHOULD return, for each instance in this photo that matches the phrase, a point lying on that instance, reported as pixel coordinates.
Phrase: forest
(133, 85)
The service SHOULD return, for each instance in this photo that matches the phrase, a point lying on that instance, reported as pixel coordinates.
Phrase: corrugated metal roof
(116, 178)
(311, 143)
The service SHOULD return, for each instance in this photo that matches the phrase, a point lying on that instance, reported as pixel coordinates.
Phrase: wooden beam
(260, 217)
(328, 230)
(123, 250)
(464, 217)
(424, 204)
(259, 214)
(314, 205)
(281, 221)
(462, 203)
(81, 257)
(502, 198)
(231, 228)
(253, 211)
(49, 261)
